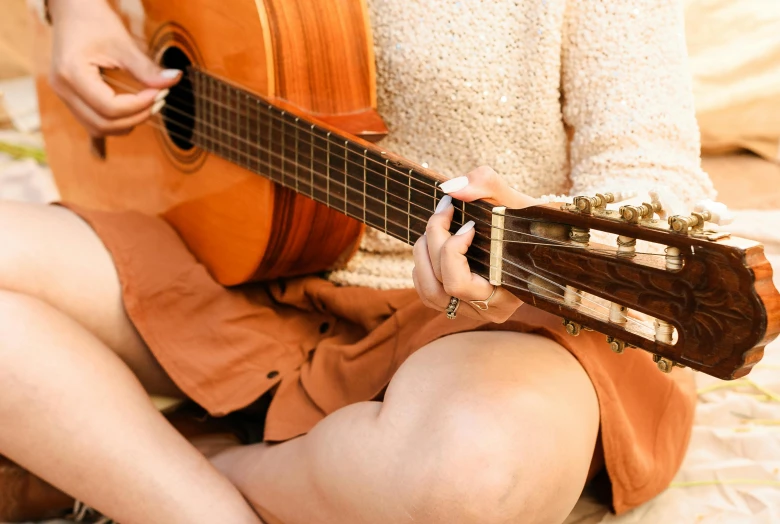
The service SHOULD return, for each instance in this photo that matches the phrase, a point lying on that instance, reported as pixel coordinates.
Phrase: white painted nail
(157, 106)
(444, 203)
(465, 228)
(170, 73)
(162, 94)
(455, 184)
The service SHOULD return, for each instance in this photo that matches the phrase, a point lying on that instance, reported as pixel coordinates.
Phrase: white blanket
(731, 473)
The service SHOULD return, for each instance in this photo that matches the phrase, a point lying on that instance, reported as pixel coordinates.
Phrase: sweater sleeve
(628, 98)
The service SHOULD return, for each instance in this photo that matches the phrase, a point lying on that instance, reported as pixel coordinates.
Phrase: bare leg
(51, 254)
(71, 410)
(475, 428)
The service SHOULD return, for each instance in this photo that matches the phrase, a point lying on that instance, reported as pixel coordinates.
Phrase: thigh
(517, 404)
(488, 428)
(51, 254)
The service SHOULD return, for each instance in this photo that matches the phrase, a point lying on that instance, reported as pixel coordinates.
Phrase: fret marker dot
(425, 165)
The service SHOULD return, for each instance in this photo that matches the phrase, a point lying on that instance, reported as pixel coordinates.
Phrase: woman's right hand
(88, 36)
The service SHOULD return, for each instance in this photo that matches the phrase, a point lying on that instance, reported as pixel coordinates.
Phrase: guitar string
(283, 160)
(582, 295)
(279, 118)
(276, 117)
(347, 188)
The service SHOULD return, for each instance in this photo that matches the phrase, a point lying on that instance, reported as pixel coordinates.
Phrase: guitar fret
(409, 208)
(270, 139)
(327, 170)
(208, 115)
(311, 159)
(365, 185)
(251, 159)
(387, 177)
(208, 129)
(296, 154)
(223, 120)
(283, 159)
(257, 136)
(346, 178)
(235, 123)
(217, 117)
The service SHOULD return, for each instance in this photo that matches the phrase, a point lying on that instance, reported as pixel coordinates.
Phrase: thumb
(147, 72)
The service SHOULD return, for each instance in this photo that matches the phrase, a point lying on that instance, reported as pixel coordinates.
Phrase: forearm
(629, 98)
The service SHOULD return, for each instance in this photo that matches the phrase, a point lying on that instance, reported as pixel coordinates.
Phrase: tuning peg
(553, 198)
(718, 212)
(621, 196)
(669, 203)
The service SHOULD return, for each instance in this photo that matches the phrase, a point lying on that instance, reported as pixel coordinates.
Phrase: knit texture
(499, 82)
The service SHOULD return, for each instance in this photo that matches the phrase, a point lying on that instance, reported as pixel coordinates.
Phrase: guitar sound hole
(179, 110)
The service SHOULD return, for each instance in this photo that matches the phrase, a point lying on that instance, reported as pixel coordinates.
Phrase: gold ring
(483, 305)
(452, 308)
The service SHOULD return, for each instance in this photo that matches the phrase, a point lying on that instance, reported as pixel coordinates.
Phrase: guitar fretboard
(350, 177)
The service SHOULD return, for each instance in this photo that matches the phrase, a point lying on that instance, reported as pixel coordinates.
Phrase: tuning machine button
(668, 203)
(715, 212)
(617, 346)
(664, 364)
(572, 328)
(620, 196)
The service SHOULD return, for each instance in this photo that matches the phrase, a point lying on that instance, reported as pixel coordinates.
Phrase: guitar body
(313, 55)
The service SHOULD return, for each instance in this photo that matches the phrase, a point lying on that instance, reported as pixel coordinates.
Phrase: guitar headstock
(646, 274)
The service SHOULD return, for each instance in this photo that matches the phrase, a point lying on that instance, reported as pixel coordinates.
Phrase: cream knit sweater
(464, 83)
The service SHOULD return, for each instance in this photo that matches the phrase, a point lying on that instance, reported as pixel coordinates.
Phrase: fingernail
(170, 73)
(455, 184)
(465, 228)
(162, 94)
(444, 203)
(157, 106)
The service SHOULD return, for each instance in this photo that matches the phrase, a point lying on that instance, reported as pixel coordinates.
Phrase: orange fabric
(321, 347)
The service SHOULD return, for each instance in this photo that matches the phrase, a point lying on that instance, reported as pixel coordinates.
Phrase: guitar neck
(342, 172)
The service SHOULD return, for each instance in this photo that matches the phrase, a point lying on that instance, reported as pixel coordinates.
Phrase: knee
(480, 465)
(18, 314)
(16, 243)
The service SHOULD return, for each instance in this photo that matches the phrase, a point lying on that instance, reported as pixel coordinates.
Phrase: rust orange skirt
(319, 347)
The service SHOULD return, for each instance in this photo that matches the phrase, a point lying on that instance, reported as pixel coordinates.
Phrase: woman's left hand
(441, 270)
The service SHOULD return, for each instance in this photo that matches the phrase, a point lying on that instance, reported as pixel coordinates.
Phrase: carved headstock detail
(692, 295)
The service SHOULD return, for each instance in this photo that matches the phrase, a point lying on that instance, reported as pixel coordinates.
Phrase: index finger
(90, 86)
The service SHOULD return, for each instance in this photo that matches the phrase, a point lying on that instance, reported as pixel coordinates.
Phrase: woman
(381, 409)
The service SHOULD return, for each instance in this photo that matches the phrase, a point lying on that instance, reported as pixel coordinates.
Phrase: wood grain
(235, 222)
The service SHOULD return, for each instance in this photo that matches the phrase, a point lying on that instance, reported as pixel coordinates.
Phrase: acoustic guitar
(265, 162)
